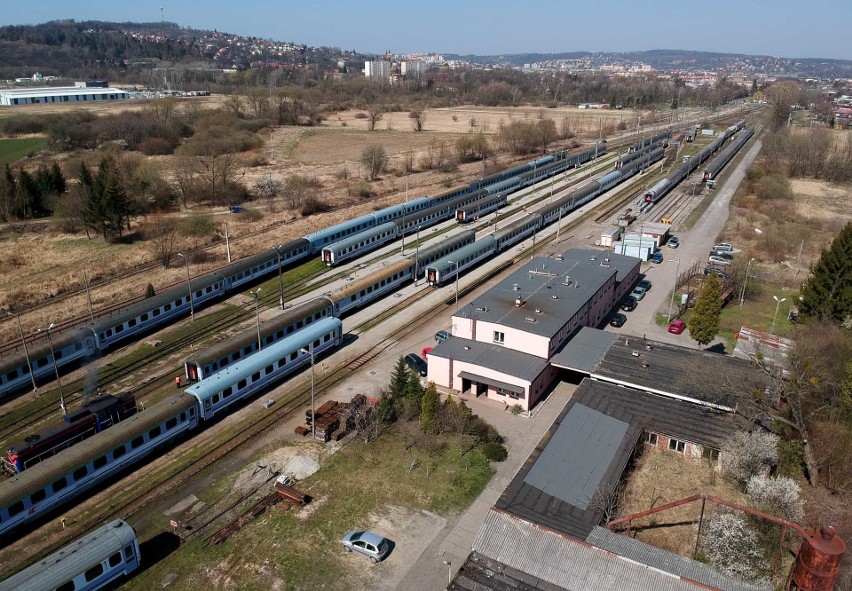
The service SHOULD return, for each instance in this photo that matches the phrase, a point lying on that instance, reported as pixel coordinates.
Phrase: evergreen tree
(8, 196)
(827, 294)
(29, 196)
(106, 208)
(94, 212)
(385, 410)
(43, 180)
(704, 321)
(399, 378)
(429, 406)
(118, 206)
(58, 185)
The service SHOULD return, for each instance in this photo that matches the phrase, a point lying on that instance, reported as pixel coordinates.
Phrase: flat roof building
(503, 340)
(58, 94)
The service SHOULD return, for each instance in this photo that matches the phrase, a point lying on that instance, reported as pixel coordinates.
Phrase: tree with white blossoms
(778, 496)
(732, 546)
(746, 454)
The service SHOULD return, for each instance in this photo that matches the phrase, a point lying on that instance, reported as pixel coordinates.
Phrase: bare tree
(374, 158)
(258, 103)
(418, 117)
(374, 115)
(546, 132)
(185, 177)
(268, 187)
(162, 234)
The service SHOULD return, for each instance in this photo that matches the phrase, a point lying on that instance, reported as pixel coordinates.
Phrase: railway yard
(198, 488)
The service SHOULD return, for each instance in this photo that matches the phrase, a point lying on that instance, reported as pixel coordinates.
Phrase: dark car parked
(628, 304)
(618, 319)
(416, 363)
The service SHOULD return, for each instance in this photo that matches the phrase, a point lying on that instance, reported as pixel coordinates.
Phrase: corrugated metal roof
(576, 457)
(658, 558)
(568, 564)
(508, 361)
(61, 566)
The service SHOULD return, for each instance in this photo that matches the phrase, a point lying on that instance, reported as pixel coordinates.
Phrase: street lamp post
(188, 285)
(449, 572)
(671, 302)
(777, 305)
(745, 280)
(313, 409)
(280, 279)
(256, 294)
(416, 256)
(56, 371)
(457, 281)
(26, 351)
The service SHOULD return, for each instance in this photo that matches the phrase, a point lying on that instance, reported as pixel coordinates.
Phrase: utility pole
(404, 210)
(227, 242)
(89, 295)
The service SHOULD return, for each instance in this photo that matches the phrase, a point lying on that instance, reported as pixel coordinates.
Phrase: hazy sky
(813, 28)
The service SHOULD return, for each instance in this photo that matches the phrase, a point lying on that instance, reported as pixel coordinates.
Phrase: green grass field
(13, 150)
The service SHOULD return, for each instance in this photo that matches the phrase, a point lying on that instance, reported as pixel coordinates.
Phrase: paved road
(694, 246)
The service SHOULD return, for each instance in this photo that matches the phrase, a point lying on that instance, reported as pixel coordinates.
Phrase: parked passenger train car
(203, 363)
(90, 562)
(716, 166)
(61, 478)
(93, 417)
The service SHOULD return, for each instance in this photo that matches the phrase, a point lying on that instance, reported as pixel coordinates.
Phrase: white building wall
(513, 338)
(377, 69)
(445, 374)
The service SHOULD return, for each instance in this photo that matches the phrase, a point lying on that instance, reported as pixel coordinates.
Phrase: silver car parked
(367, 543)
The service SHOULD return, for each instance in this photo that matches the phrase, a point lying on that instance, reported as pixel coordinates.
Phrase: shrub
(198, 225)
(494, 451)
(746, 454)
(517, 409)
(774, 187)
(156, 146)
(778, 495)
(361, 115)
(312, 204)
(731, 546)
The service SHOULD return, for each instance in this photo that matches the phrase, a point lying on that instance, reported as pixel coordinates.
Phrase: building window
(708, 453)
(678, 446)
(499, 337)
(651, 438)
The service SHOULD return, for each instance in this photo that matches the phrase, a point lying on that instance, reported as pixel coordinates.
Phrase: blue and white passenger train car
(243, 378)
(88, 563)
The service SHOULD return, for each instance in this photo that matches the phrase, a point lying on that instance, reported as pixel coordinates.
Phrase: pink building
(502, 341)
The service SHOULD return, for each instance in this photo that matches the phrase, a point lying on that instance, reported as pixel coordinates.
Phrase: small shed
(610, 235)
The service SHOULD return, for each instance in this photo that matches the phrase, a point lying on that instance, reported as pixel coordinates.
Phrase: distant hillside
(93, 48)
(676, 59)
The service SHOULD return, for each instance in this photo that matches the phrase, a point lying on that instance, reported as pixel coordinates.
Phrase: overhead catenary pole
(256, 294)
(227, 243)
(26, 352)
(404, 209)
(674, 289)
(56, 371)
(280, 278)
(88, 295)
(745, 280)
(188, 286)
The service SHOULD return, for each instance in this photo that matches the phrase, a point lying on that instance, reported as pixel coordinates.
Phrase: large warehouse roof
(58, 94)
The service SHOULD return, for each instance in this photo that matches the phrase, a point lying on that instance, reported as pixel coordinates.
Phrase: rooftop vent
(467, 347)
(538, 310)
(592, 258)
(529, 319)
(555, 297)
(482, 309)
(515, 287)
(559, 257)
(519, 302)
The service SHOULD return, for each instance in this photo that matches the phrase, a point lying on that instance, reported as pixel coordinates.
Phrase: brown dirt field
(662, 477)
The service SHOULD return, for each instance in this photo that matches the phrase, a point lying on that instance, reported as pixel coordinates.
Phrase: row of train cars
(340, 242)
(230, 372)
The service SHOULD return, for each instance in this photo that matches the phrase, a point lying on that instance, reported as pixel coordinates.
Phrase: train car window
(115, 560)
(237, 355)
(144, 317)
(316, 344)
(59, 484)
(78, 346)
(38, 496)
(12, 375)
(192, 411)
(131, 323)
(137, 442)
(167, 307)
(268, 340)
(80, 473)
(155, 432)
(247, 351)
(119, 328)
(118, 452)
(128, 552)
(208, 290)
(94, 572)
(42, 362)
(241, 384)
(299, 324)
(293, 356)
(222, 363)
(309, 319)
(171, 423)
(99, 462)
(267, 370)
(255, 376)
(66, 586)
(325, 338)
(279, 334)
(15, 508)
(215, 399)
(199, 293)
(289, 329)
(227, 391)
(156, 312)
(182, 417)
